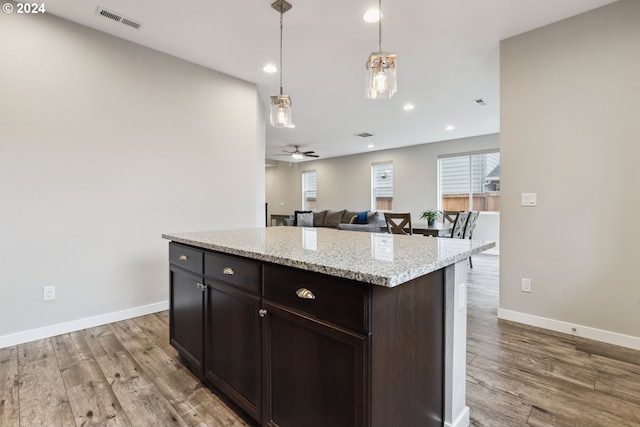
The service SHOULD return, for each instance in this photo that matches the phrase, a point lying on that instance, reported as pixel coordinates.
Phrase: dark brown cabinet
(295, 348)
(316, 332)
(186, 310)
(233, 331)
(315, 372)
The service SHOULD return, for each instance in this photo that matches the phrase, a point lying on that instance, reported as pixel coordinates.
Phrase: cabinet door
(234, 345)
(186, 318)
(316, 373)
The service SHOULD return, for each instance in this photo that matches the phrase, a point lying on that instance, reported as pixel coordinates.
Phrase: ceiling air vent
(364, 134)
(109, 14)
(480, 101)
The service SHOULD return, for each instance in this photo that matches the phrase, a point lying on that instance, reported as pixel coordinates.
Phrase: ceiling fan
(297, 154)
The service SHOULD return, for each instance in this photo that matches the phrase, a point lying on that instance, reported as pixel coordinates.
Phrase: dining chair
(397, 222)
(449, 216)
(457, 232)
(468, 229)
(471, 225)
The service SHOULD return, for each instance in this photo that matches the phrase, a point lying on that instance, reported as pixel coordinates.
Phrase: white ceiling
(448, 56)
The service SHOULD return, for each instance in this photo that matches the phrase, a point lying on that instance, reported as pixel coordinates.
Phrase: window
(470, 182)
(309, 190)
(382, 186)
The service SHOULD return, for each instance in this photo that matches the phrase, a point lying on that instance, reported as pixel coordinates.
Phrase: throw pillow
(361, 218)
(333, 218)
(295, 216)
(374, 217)
(318, 218)
(305, 219)
(347, 216)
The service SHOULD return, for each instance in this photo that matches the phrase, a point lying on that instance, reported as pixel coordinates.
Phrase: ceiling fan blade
(311, 155)
(282, 154)
(308, 152)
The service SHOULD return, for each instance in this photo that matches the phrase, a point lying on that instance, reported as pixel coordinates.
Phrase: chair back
(471, 225)
(458, 226)
(397, 222)
(449, 216)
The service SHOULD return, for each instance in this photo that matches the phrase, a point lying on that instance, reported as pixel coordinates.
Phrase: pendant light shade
(381, 81)
(280, 110)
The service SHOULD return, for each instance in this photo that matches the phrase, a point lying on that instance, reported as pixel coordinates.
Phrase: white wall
(345, 182)
(104, 146)
(569, 99)
(281, 183)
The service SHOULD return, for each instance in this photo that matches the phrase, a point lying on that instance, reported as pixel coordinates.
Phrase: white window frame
(374, 165)
(305, 190)
(463, 154)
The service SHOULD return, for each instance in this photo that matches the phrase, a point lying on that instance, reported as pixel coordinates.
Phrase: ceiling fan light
(280, 111)
(381, 80)
(297, 156)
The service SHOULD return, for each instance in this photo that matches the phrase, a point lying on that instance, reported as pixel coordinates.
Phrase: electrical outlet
(526, 285)
(49, 293)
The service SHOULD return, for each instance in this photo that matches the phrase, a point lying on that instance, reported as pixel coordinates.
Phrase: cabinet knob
(305, 293)
(201, 286)
(183, 257)
(262, 312)
(228, 271)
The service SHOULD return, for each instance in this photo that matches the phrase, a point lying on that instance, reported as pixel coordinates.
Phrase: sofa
(344, 219)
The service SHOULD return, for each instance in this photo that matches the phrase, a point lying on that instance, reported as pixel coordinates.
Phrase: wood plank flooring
(525, 376)
(127, 374)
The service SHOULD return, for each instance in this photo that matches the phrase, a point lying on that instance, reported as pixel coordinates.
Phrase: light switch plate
(529, 199)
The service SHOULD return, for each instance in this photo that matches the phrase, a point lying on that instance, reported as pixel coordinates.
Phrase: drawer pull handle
(200, 286)
(228, 271)
(262, 312)
(183, 257)
(305, 293)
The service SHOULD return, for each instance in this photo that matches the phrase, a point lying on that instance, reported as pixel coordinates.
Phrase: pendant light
(381, 69)
(280, 111)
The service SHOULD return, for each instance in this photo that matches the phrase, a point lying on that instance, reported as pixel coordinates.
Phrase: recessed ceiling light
(269, 68)
(371, 15)
(450, 127)
(291, 126)
(408, 107)
(370, 146)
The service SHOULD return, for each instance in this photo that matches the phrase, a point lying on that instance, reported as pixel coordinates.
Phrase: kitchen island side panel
(408, 353)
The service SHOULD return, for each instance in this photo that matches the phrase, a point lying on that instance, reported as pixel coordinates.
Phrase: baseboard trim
(77, 325)
(571, 329)
(462, 420)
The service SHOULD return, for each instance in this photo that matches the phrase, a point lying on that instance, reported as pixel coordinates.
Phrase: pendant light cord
(281, 50)
(379, 25)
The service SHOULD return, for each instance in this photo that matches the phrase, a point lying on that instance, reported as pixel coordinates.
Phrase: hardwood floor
(122, 374)
(525, 376)
(127, 374)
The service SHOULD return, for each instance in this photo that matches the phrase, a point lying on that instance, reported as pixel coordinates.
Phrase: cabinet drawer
(240, 272)
(340, 301)
(185, 257)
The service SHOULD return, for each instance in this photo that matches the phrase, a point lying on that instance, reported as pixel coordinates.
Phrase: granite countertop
(376, 258)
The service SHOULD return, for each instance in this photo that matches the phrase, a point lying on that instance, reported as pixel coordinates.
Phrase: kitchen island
(319, 327)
